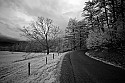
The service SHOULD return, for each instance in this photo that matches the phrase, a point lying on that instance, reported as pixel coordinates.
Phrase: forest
(102, 26)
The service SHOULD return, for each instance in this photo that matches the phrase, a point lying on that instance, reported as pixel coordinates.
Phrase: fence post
(46, 59)
(53, 56)
(28, 68)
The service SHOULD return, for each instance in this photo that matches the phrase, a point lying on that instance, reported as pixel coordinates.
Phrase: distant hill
(5, 41)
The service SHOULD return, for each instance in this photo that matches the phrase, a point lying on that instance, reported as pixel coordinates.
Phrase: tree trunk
(80, 36)
(106, 13)
(47, 50)
(122, 12)
(73, 39)
(47, 46)
(91, 21)
(114, 16)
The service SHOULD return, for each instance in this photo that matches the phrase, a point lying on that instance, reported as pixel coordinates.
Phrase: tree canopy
(103, 25)
(43, 30)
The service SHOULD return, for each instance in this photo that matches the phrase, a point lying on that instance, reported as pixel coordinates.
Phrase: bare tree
(43, 30)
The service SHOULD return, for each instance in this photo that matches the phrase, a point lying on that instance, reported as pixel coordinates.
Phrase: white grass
(14, 67)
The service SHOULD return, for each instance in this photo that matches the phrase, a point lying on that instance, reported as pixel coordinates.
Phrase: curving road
(79, 68)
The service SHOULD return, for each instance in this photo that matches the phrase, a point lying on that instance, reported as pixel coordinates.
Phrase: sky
(15, 14)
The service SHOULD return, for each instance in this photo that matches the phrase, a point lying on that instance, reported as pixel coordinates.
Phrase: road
(79, 68)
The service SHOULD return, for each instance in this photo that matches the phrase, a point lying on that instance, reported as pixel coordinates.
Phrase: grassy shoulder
(113, 56)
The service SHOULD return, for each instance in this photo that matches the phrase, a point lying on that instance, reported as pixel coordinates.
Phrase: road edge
(101, 60)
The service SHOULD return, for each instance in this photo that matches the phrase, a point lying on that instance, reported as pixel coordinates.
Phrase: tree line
(34, 46)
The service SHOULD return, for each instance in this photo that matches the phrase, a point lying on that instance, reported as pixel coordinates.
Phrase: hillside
(5, 41)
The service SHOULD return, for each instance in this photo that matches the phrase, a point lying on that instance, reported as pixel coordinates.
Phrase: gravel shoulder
(67, 74)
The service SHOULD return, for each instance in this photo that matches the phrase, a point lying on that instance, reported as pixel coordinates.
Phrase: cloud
(17, 13)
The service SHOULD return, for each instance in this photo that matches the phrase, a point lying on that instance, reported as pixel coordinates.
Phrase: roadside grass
(14, 67)
(114, 57)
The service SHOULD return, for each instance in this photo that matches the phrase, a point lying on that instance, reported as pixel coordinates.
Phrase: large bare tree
(43, 30)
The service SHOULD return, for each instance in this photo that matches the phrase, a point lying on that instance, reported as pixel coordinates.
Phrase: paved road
(79, 68)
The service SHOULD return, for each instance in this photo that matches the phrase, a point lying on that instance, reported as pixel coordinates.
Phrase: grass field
(14, 66)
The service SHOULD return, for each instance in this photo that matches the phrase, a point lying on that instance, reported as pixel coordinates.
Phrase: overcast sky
(15, 14)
